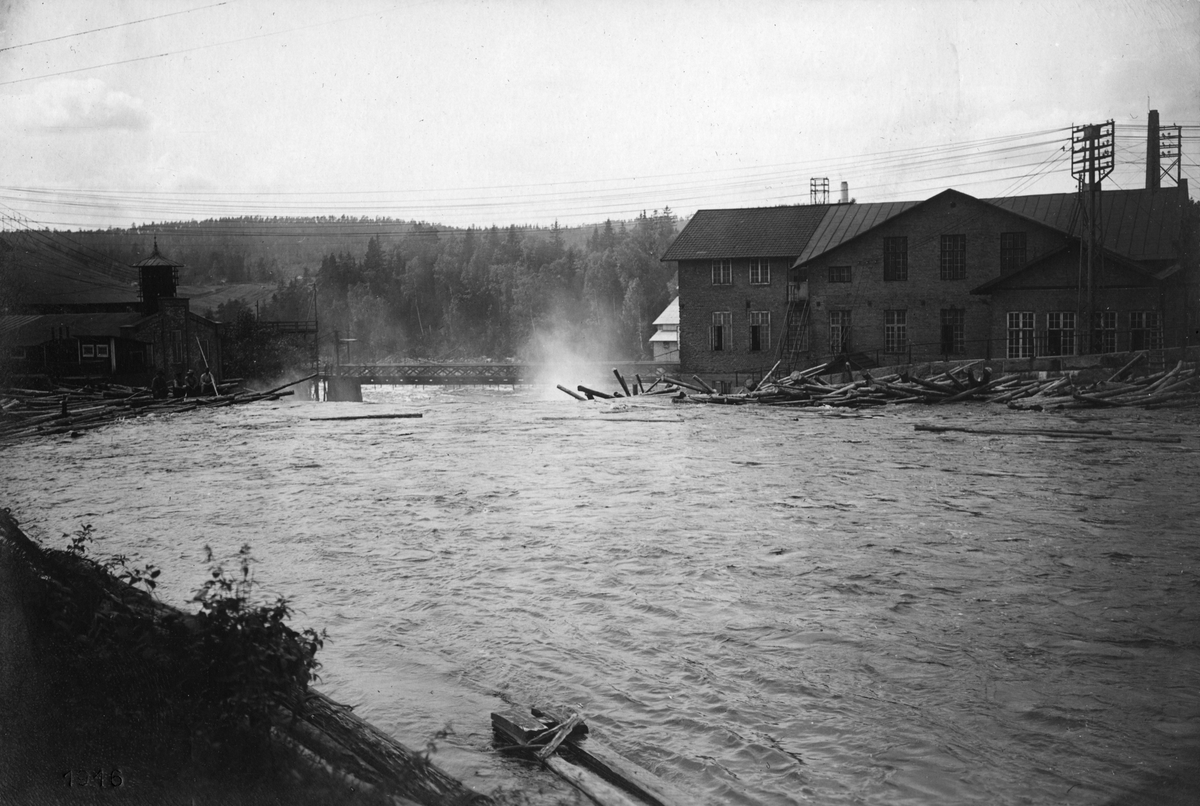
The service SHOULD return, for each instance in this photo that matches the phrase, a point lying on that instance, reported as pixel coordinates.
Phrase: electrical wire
(111, 27)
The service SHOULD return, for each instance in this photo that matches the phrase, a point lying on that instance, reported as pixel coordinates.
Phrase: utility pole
(818, 190)
(1091, 163)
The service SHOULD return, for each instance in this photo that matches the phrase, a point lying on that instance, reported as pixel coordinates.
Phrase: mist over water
(764, 605)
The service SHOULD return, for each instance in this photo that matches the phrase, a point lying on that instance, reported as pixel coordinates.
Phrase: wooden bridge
(345, 381)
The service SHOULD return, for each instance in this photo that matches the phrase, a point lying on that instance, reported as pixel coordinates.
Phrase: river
(763, 605)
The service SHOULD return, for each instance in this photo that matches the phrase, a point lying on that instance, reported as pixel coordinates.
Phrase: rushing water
(763, 605)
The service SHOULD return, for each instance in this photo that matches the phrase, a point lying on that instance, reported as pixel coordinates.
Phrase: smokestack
(845, 193)
(1153, 174)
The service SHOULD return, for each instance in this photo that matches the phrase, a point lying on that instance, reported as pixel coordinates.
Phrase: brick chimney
(1153, 174)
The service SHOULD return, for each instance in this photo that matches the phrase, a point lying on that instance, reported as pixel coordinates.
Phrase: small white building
(664, 344)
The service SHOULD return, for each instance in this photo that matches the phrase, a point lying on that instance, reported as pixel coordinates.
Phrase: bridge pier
(343, 390)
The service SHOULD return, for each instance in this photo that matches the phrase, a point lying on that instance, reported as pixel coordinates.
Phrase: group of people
(188, 385)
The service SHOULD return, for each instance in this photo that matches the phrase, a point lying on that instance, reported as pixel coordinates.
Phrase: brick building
(949, 276)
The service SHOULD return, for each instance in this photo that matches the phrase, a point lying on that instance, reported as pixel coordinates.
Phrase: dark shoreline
(70, 734)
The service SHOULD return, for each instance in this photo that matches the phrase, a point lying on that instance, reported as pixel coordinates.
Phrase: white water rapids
(763, 605)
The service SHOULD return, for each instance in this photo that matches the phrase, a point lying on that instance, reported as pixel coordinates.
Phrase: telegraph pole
(818, 190)
(1091, 163)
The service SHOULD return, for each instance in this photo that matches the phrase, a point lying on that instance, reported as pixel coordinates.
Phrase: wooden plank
(602, 760)
(405, 416)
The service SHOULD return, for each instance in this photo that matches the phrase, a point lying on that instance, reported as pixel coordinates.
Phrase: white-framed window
(953, 330)
(839, 331)
(722, 272)
(954, 257)
(1020, 334)
(87, 350)
(1145, 330)
(1106, 332)
(760, 271)
(760, 331)
(839, 274)
(895, 331)
(721, 331)
(1060, 333)
(101, 351)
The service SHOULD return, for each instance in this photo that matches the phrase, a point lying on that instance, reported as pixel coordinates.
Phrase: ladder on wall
(794, 343)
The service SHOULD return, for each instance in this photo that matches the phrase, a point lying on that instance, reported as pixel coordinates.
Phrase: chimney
(845, 193)
(1153, 174)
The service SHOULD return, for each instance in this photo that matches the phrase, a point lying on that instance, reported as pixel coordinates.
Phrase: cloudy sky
(526, 111)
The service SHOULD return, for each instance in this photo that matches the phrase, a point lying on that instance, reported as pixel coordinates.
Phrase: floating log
(593, 393)
(1046, 432)
(705, 386)
(405, 416)
(620, 380)
(685, 385)
(572, 394)
(594, 769)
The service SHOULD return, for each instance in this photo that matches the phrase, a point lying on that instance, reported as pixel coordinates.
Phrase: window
(839, 331)
(1012, 251)
(722, 272)
(1106, 332)
(89, 350)
(839, 274)
(101, 351)
(177, 346)
(17, 353)
(1145, 331)
(895, 331)
(760, 330)
(954, 257)
(895, 258)
(953, 328)
(1060, 333)
(1020, 334)
(760, 271)
(721, 331)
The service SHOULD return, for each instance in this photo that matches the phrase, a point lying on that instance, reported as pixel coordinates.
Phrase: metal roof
(156, 259)
(844, 221)
(670, 314)
(747, 232)
(1140, 224)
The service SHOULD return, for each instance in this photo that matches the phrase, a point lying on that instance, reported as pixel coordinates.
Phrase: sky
(465, 112)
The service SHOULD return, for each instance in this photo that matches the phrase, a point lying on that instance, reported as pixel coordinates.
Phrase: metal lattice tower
(818, 190)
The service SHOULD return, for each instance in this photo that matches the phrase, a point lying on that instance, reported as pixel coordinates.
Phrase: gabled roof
(845, 221)
(30, 330)
(670, 314)
(1140, 224)
(747, 232)
(1073, 246)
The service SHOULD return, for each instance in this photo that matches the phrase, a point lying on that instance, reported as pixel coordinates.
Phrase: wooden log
(929, 385)
(593, 393)
(1166, 378)
(404, 416)
(1047, 432)
(684, 384)
(640, 386)
(584, 749)
(705, 386)
(518, 731)
(620, 380)
(572, 394)
(1133, 362)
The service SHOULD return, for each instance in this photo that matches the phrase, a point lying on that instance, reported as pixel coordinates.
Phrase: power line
(109, 27)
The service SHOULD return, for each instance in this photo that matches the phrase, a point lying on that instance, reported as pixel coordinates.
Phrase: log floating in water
(405, 416)
(1045, 432)
(572, 394)
(602, 775)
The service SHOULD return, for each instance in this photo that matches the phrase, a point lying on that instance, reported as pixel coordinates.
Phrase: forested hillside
(408, 289)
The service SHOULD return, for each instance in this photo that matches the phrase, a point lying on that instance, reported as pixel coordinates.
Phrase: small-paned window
(895, 331)
(721, 331)
(839, 274)
(722, 272)
(895, 258)
(954, 257)
(101, 351)
(760, 271)
(1060, 333)
(760, 331)
(1145, 330)
(1020, 334)
(1012, 251)
(1106, 332)
(88, 350)
(839, 331)
(953, 329)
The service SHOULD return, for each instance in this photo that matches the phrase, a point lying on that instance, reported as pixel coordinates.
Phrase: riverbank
(92, 706)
